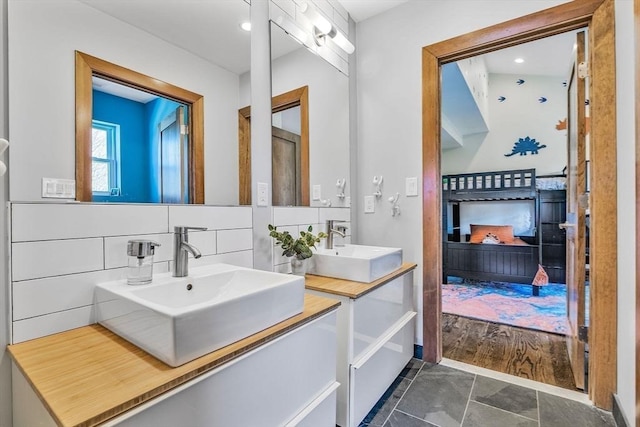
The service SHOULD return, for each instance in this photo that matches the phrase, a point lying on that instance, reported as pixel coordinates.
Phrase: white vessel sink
(356, 262)
(178, 319)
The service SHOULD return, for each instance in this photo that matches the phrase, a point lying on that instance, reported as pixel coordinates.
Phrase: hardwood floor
(534, 355)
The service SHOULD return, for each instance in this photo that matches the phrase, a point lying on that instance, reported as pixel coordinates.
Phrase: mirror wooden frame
(88, 66)
(293, 98)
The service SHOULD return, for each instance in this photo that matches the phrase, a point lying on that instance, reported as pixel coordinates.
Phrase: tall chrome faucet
(181, 250)
(331, 230)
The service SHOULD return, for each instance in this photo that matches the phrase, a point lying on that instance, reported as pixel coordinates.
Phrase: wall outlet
(369, 204)
(317, 193)
(58, 188)
(263, 194)
(411, 187)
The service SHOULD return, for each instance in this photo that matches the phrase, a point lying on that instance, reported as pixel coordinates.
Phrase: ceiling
(359, 10)
(208, 29)
(551, 56)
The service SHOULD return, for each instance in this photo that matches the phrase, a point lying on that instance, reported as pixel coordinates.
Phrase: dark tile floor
(435, 395)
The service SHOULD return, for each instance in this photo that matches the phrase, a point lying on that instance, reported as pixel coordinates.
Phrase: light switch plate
(347, 202)
(411, 186)
(317, 193)
(263, 192)
(56, 188)
(369, 204)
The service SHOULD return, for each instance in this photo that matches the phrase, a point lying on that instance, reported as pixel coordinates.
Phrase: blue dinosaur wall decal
(525, 145)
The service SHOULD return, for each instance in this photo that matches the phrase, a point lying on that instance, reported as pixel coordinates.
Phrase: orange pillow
(504, 233)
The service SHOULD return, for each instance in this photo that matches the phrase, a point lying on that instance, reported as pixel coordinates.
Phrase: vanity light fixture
(323, 28)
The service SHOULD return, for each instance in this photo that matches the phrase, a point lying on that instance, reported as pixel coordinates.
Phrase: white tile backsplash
(340, 214)
(235, 240)
(35, 327)
(41, 296)
(204, 241)
(283, 6)
(294, 216)
(242, 259)
(33, 260)
(212, 217)
(338, 9)
(342, 23)
(33, 221)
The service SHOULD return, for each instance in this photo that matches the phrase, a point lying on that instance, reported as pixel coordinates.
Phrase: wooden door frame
(293, 98)
(598, 16)
(636, 14)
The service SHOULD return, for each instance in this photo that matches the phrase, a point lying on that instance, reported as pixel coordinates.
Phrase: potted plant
(299, 250)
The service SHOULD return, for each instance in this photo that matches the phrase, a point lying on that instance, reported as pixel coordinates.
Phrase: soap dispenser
(140, 261)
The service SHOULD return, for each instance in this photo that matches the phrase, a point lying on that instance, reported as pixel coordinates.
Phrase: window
(105, 158)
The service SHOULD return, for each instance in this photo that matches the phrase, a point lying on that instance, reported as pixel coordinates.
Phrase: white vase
(299, 266)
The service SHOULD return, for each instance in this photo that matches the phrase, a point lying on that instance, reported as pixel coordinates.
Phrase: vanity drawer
(319, 413)
(371, 374)
(377, 311)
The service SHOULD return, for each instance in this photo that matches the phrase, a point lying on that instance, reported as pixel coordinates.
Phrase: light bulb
(318, 21)
(342, 41)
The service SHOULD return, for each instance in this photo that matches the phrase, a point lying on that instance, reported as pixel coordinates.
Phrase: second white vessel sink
(178, 319)
(359, 263)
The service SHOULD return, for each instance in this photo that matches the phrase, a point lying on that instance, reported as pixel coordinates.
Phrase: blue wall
(134, 168)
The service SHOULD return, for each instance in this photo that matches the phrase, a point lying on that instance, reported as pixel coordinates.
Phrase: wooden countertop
(349, 288)
(88, 375)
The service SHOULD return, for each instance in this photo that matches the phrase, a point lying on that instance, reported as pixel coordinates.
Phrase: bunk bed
(515, 259)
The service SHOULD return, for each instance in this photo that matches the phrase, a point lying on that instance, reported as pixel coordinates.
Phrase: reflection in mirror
(290, 150)
(136, 151)
(139, 146)
(326, 90)
(205, 52)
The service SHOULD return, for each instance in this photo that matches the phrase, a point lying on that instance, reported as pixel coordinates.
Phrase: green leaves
(300, 247)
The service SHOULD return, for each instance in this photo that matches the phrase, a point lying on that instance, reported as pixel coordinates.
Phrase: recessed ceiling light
(246, 26)
(518, 60)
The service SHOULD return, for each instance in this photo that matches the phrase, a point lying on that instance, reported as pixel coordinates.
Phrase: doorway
(496, 239)
(598, 16)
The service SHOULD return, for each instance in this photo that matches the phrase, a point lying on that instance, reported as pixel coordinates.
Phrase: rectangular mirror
(143, 141)
(310, 101)
(204, 53)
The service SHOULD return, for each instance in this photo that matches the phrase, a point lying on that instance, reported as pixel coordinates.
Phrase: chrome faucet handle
(181, 229)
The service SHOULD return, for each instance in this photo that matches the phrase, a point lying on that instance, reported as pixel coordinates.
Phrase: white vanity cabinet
(283, 376)
(376, 330)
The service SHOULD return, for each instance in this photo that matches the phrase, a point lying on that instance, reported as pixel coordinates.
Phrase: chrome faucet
(331, 230)
(181, 250)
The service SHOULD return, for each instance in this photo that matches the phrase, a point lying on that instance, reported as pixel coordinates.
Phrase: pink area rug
(508, 303)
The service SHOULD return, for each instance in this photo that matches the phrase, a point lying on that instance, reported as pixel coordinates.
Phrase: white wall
(626, 114)
(474, 71)
(389, 69)
(42, 40)
(519, 116)
(328, 117)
